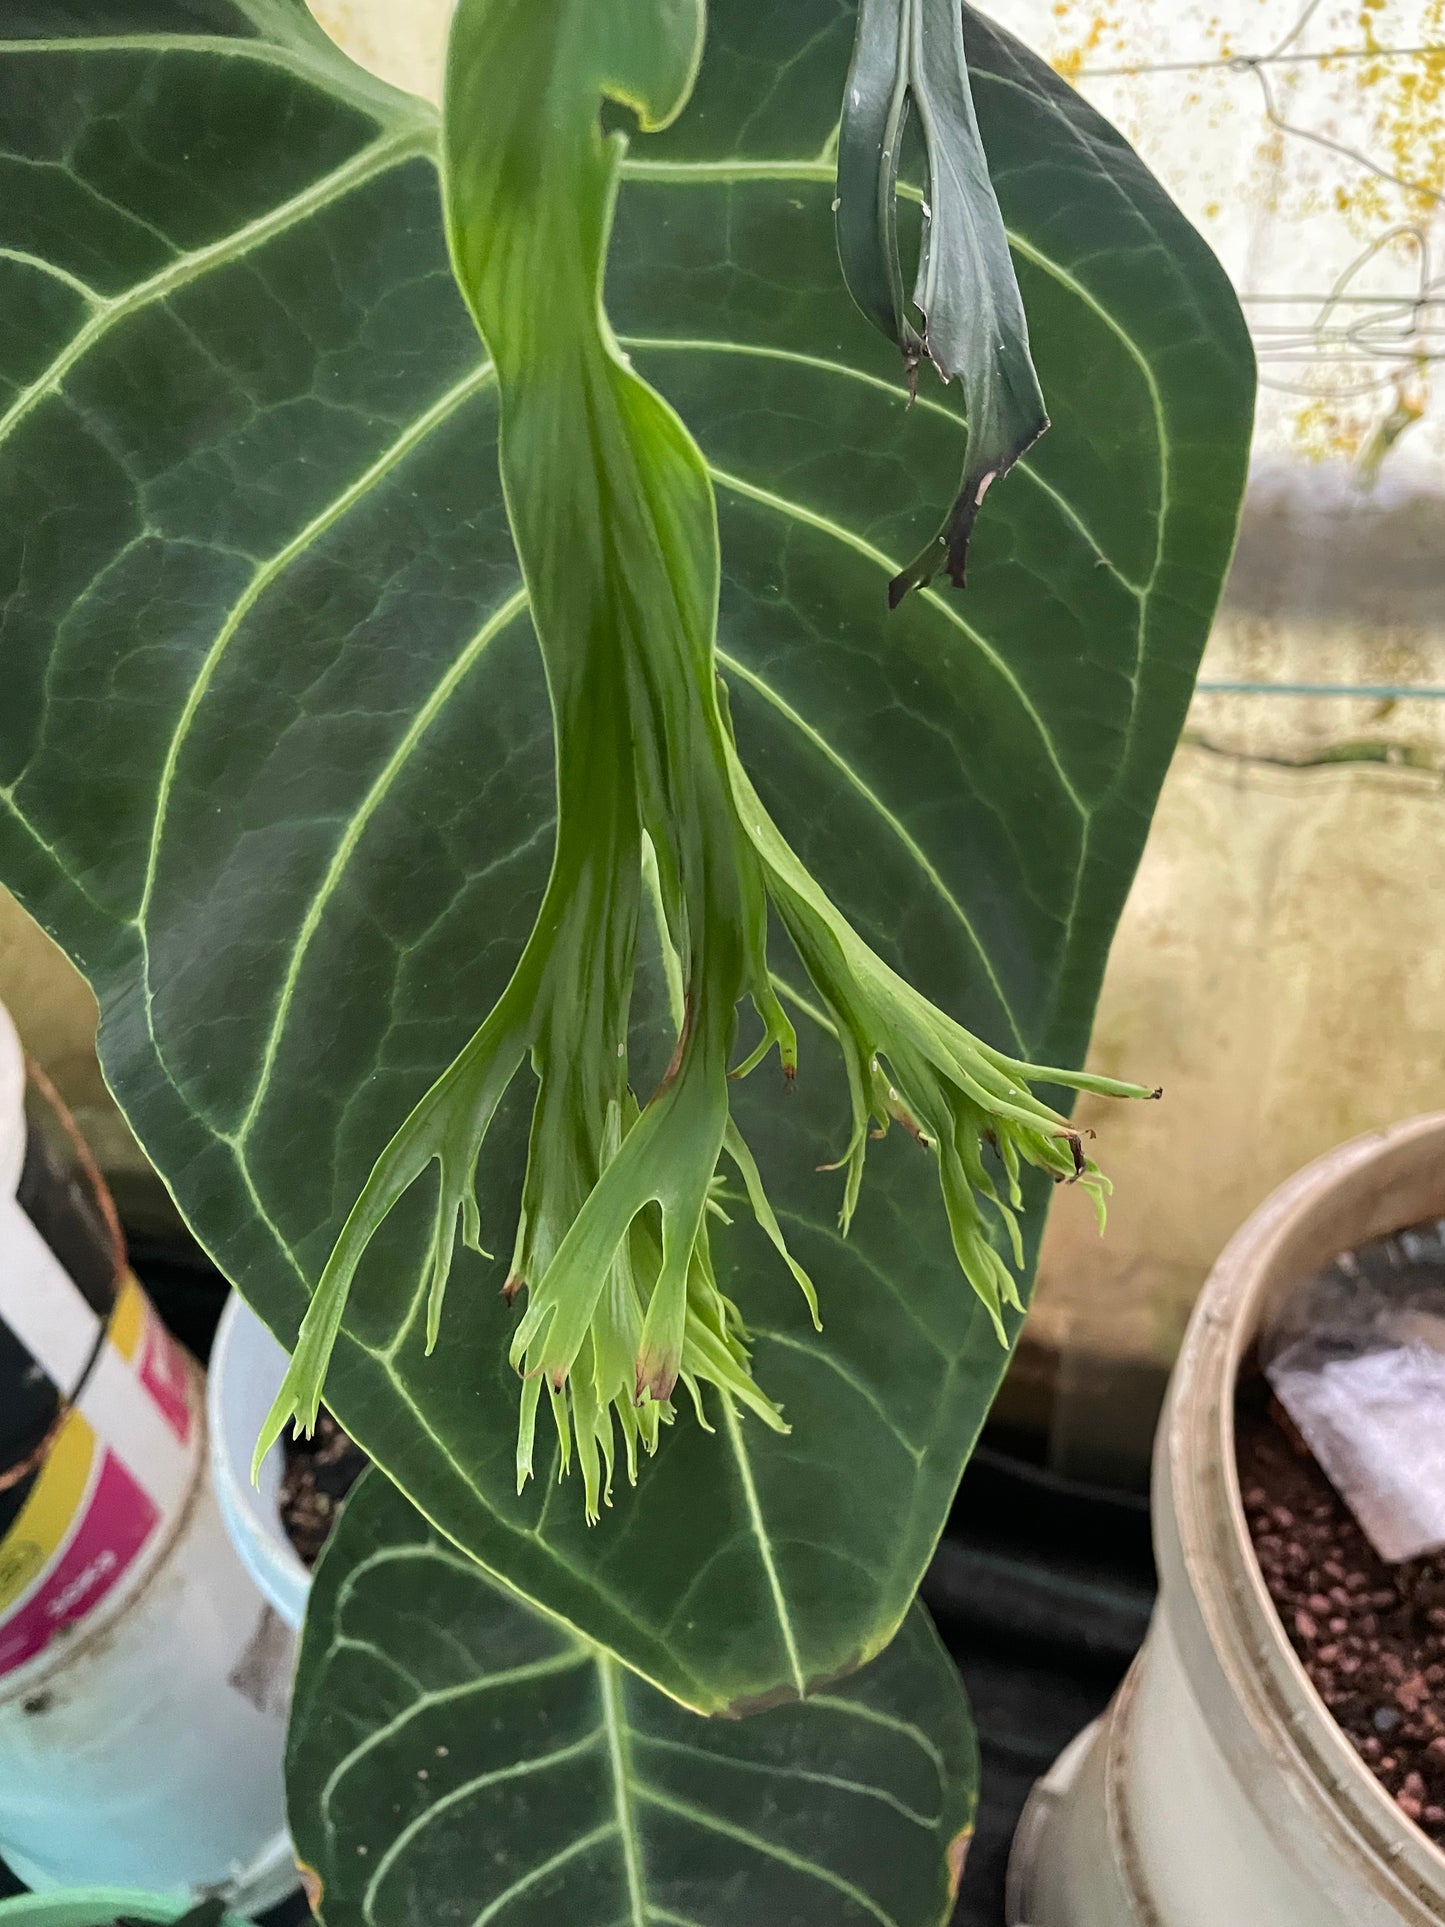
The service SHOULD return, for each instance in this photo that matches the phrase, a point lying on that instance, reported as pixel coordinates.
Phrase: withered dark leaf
(965, 314)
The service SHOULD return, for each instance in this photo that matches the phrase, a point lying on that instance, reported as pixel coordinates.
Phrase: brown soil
(1371, 1636)
(320, 1471)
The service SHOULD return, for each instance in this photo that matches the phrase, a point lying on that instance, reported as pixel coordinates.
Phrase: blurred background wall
(1280, 968)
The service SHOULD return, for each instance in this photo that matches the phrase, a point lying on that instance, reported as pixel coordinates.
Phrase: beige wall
(1279, 969)
(402, 40)
(51, 1004)
(55, 1015)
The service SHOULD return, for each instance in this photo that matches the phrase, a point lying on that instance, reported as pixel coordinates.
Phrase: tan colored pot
(1218, 1791)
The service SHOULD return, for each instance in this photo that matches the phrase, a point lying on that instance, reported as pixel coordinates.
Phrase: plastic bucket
(143, 1677)
(1217, 1791)
(95, 1907)
(247, 1366)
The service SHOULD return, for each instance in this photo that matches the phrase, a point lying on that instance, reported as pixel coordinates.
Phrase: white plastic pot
(143, 1678)
(1217, 1791)
(94, 1907)
(247, 1366)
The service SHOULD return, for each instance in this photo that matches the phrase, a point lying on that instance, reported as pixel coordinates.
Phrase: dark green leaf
(966, 295)
(455, 1756)
(275, 762)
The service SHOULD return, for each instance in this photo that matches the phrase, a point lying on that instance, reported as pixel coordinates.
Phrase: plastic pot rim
(1366, 1188)
(241, 1382)
(97, 1907)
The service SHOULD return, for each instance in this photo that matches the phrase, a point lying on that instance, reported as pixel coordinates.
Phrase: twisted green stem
(615, 525)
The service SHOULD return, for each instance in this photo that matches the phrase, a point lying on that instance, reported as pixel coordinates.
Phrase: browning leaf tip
(656, 1378)
(958, 1848)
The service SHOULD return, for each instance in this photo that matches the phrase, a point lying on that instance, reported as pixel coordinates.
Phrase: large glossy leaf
(455, 1756)
(275, 754)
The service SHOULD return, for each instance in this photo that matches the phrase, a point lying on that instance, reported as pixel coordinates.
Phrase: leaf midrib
(758, 1526)
(631, 1787)
(619, 1760)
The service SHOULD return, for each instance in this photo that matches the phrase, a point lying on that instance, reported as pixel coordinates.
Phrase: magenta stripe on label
(164, 1374)
(117, 1522)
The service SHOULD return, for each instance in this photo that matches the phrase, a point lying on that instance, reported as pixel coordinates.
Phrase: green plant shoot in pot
(493, 687)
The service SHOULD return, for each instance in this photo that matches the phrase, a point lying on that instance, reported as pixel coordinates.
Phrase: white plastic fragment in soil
(1358, 1362)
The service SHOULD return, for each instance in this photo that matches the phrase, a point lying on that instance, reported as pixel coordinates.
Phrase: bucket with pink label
(143, 1679)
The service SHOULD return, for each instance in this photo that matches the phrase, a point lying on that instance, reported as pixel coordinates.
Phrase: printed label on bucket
(117, 1471)
(108, 1528)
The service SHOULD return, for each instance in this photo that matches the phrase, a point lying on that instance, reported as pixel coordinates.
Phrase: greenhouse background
(1135, 1619)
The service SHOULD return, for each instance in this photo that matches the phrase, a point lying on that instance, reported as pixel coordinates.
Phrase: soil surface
(1371, 1636)
(320, 1471)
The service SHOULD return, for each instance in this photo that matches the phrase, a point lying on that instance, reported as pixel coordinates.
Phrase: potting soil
(1371, 1636)
(320, 1471)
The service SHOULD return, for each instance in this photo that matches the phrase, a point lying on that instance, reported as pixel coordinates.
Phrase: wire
(1370, 691)
(1355, 345)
